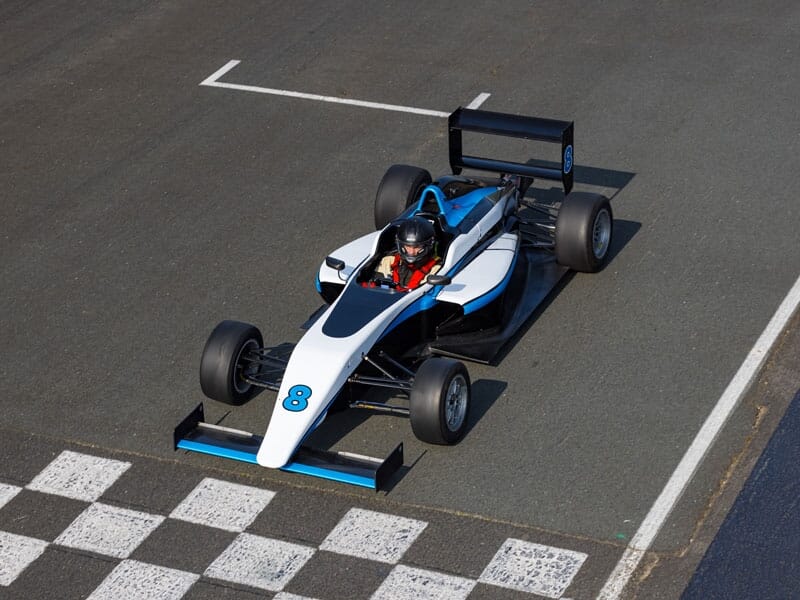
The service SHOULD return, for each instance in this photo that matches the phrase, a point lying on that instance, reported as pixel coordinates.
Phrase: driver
(415, 257)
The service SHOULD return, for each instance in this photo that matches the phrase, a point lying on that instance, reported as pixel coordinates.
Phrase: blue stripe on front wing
(293, 467)
(221, 451)
(330, 474)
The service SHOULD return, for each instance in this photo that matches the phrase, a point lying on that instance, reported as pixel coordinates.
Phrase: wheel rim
(456, 403)
(240, 371)
(601, 233)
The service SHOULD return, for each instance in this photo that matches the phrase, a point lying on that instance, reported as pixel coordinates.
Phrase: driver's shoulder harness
(409, 277)
(406, 277)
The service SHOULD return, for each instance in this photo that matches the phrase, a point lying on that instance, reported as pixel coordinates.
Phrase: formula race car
(500, 255)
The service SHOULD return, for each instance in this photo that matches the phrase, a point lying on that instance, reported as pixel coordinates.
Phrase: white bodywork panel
(466, 241)
(323, 364)
(352, 254)
(484, 273)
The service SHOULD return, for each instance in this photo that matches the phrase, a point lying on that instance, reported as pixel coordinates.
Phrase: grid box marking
(250, 560)
(407, 583)
(109, 530)
(7, 492)
(373, 535)
(134, 580)
(533, 568)
(222, 504)
(78, 476)
(259, 562)
(16, 553)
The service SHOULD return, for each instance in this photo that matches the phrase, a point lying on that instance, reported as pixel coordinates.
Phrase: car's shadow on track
(551, 198)
(337, 425)
(593, 176)
(485, 392)
(624, 231)
(596, 177)
(609, 178)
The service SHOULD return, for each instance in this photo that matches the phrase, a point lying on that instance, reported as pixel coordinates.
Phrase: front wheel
(439, 402)
(224, 366)
(583, 231)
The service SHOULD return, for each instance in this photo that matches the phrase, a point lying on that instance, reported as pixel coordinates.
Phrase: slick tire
(222, 365)
(399, 188)
(440, 401)
(584, 228)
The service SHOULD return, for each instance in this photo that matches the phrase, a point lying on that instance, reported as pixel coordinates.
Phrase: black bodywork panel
(481, 335)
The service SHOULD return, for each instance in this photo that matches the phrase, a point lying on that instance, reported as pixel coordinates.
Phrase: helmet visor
(412, 253)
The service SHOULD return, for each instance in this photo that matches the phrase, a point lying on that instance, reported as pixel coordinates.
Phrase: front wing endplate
(195, 435)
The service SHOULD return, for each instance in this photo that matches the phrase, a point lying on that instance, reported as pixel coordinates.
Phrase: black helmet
(418, 233)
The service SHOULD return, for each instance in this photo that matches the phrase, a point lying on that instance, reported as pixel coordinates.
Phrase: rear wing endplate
(194, 434)
(531, 128)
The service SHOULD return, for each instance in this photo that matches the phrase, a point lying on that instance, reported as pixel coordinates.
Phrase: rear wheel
(439, 402)
(224, 365)
(583, 231)
(399, 188)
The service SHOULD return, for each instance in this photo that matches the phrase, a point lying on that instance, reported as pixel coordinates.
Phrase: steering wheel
(387, 281)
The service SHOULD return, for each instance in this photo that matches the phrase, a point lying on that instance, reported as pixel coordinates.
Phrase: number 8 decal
(297, 399)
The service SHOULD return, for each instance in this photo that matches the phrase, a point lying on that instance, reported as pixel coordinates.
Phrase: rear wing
(531, 128)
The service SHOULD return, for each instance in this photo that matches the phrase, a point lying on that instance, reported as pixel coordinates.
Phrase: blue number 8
(568, 158)
(297, 399)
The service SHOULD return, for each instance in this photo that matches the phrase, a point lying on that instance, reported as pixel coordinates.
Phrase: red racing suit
(409, 277)
(406, 277)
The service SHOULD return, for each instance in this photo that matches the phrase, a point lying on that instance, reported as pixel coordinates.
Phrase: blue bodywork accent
(293, 467)
(330, 474)
(456, 209)
(242, 455)
(568, 159)
(492, 294)
(195, 435)
(422, 304)
(317, 283)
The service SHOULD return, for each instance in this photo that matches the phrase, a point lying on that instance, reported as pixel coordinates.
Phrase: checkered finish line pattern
(239, 557)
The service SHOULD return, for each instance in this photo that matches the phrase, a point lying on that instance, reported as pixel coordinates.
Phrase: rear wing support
(531, 128)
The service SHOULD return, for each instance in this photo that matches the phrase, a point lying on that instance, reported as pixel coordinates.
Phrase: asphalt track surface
(140, 208)
(755, 553)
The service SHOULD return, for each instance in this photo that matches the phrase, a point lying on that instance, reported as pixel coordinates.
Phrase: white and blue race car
(501, 255)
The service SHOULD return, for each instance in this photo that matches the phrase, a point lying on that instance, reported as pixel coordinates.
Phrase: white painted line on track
(533, 568)
(134, 580)
(212, 81)
(373, 535)
(16, 553)
(288, 596)
(642, 540)
(78, 476)
(260, 562)
(479, 99)
(7, 492)
(409, 583)
(109, 530)
(222, 504)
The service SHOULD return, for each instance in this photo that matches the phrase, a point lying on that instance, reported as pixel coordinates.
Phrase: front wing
(195, 435)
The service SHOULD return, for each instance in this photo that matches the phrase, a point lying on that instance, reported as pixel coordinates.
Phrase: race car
(501, 254)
